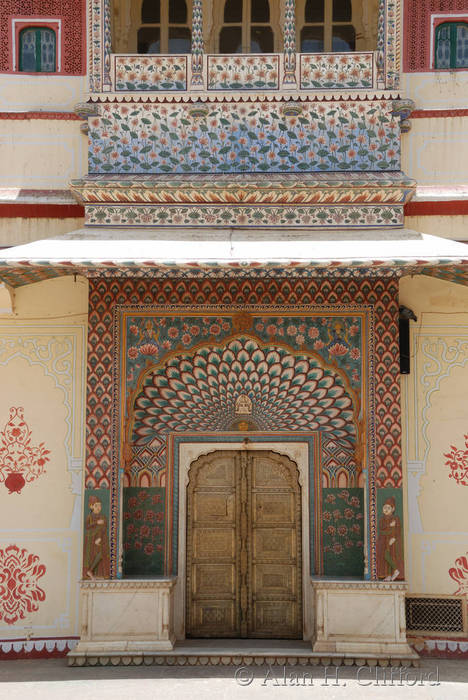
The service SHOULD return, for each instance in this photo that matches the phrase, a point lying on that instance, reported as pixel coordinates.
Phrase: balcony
(317, 72)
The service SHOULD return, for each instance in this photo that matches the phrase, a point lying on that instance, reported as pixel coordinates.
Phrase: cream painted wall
(454, 227)
(18, 231)
(435, 416)
(41, 153)
(42, 370)
(57, 93)
(436, 89)
(435, 151)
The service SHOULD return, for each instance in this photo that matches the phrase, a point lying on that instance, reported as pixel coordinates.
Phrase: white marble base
(126, 616)
(361, 618)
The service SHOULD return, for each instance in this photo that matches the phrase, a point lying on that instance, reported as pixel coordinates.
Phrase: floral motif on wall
(20, 461)
(332, 217)
(150, 73)
(336, 71)
(343, 531)
(457, 462)
(336, 339)
(20, 593)
(143, 530)
(234, 137)
(459, 573)
(243, 72)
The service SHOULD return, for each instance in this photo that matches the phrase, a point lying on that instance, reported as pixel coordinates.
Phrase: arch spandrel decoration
(199, 391)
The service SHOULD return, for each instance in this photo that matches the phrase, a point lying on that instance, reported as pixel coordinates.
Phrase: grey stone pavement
(52, 679)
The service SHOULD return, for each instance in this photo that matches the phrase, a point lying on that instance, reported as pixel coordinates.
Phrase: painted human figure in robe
(389, 544)
(96, 545)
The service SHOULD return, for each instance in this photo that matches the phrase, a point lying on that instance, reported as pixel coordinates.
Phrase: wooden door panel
(269, 617)
(214, 507)
(277, 508)
(214, 619)
(244, 546)
(219, 473)
(272, 580)
(214, 581)
(274, 544)
(214, 544)
(275, 552)
(213, 547)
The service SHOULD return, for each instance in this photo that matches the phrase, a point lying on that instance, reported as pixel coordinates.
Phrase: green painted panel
(143, 531)
(343, 532)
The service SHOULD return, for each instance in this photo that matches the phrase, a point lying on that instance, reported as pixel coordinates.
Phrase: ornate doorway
(244, 546)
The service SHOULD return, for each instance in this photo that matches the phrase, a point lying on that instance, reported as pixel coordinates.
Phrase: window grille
(435, 615)
(37, 50)
(451, 45)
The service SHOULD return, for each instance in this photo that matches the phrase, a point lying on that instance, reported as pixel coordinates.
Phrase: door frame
(297, 452)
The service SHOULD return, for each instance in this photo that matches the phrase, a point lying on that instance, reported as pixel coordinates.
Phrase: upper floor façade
(185, 46)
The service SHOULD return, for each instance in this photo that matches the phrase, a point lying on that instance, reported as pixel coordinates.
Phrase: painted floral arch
(200, 390)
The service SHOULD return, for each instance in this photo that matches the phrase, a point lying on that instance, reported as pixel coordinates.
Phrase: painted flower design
(148, 349)
(20, 460)
(457, 462)
(153, 73)
(20, 593)
(230, 138)
(459, 573)
(338, 350)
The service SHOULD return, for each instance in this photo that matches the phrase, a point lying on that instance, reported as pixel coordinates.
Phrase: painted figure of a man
(389, 546)
(96, 546)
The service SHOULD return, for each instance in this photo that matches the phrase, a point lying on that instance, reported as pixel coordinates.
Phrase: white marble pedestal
(361, 618)
(125, 617)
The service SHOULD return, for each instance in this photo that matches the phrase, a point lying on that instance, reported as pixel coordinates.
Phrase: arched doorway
(244, 546)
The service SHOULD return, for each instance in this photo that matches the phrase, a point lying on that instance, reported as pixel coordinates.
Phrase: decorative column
(388, 44)
(100, 45)
(94, 44)
(289, 77)
(381, 45)
(197, 44)
(107, 46)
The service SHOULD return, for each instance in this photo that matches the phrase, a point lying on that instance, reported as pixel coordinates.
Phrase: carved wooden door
(244, 546)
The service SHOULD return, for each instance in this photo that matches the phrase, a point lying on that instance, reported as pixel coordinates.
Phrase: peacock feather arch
(199, 390)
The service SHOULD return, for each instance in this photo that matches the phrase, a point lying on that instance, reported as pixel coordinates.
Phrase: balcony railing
(254, 72)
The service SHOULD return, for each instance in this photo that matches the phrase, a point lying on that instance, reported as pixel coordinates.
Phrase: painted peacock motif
(200, 392)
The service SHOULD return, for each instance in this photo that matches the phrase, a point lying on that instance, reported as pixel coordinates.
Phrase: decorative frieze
(232, 137)
(239, 216)
(334, 71)
(248, 189)
(155, 73)
(251, 72)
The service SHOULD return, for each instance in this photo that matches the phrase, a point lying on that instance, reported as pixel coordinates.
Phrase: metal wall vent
(428, 615)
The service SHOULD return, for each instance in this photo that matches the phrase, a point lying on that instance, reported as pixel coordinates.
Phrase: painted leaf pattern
(232, 137)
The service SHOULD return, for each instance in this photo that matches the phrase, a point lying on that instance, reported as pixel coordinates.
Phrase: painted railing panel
(236, 137)
(150, 73)
(334, 71)
(251, 72)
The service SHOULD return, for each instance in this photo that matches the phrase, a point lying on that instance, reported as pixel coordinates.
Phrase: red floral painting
(459, 573)
(143, 527)
(343, 531)
(20, 593)
(457, 462)
(20, 460)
